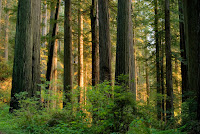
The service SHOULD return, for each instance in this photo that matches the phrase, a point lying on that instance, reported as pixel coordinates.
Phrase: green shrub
(109, 110)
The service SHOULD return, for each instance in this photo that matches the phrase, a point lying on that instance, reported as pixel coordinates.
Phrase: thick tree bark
(192, 34)
(95, 41)
(124, 52)
(124, 70)
(169, 84)
(68, 76)
(104, 41)
(158, 87)
(26, 68)
(36, 16)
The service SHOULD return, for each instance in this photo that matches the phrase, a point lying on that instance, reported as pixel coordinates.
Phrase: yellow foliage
(5, 90)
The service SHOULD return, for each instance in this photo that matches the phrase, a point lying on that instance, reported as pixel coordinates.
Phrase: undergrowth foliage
(107, 109)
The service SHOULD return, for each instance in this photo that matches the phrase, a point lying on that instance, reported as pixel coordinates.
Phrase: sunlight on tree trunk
(80, 55)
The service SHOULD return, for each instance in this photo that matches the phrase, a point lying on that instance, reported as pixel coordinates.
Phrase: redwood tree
(95, 41)
(192, 34)
(124, 51)
(104, 41)
(52, 38)
(169, 84)
(26, 68)
(68, 77)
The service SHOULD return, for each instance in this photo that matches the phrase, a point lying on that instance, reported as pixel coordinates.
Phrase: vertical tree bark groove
(169, 84)
(68, 76)
(122, 51)
(26, 68)
(95, 41)
(36, 46)
(125, 52)
(104, 41)
(124, 59)
(158, 87)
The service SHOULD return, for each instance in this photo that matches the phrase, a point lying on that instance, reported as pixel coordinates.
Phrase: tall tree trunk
(51, 74)
(134, 66)
(158, 87)
(136, 76)
(54, 75)
(124, 57)
(26, 68)
(177, 86)
(80, 54)
(124, 52)
(52, 37)
(6, 32)
(192, 34)
(104, 41)
(95, 41)
(36, 13)
(135, 59)
(147, 81)
(169, 85)
(68, 74)
(132, 54)
(184, 69)
(162, 79)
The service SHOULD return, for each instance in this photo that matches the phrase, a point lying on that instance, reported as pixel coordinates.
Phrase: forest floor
(7, 126)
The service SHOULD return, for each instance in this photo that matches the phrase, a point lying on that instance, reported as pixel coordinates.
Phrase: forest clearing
(99, 66)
